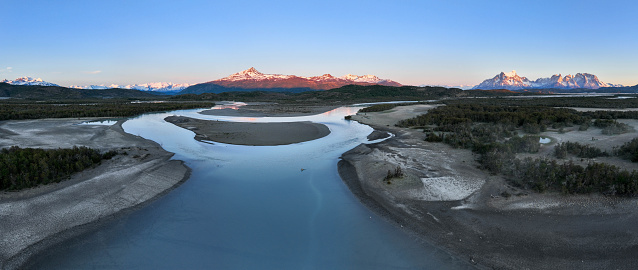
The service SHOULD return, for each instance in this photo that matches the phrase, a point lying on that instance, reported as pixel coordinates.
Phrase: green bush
(29, 167)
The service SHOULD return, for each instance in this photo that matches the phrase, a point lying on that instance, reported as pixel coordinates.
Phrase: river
(251, 207)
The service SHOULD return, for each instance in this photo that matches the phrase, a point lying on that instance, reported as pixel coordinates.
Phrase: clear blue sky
(413, 42)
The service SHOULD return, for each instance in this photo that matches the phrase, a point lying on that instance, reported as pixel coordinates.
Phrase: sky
(413, 42)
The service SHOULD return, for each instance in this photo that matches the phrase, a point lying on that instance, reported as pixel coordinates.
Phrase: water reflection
(251, 207)
(228, 105)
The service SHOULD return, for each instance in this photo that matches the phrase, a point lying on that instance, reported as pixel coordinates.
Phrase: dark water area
(251, 207)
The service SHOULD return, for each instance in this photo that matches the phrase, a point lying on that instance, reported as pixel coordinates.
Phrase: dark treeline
(532, 119)
(555, 101)
(28, 167)
(36, 110)
(518, 116)
(492, 132)
(545, 174)
(348, 94)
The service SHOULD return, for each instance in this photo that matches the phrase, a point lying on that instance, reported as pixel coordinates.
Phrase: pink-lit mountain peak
(253, 74)
(252, 78)
(513, 81)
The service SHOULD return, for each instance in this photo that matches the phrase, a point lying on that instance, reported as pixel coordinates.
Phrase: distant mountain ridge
(28, 81)
(152, 87)
(58, 92)
(512, 81)
(251, 79)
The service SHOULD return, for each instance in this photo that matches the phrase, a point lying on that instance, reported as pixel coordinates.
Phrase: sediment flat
(243, 133)
(38, 218)
(445, 200)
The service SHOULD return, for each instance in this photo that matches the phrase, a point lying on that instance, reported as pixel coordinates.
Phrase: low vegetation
(11, 110)
(628, 150)
(579, 150)
(22, 168)
(397, 173)
(544, 174)
(493, 132)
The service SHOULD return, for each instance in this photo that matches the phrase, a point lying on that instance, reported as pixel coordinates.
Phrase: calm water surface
(251, 207)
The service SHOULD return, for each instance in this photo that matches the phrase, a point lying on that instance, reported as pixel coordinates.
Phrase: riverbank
(445, 200)
(258, 134)
(38, 218)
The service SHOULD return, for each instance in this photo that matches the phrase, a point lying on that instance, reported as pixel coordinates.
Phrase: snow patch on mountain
(364, 78)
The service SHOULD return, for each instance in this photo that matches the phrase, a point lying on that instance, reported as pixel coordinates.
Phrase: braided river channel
(251, 207)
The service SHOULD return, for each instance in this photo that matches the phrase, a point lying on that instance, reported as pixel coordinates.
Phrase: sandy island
(35, 219)
(242, 133)
(446, 201)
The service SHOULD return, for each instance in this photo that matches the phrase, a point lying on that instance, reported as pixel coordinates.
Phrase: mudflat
(445, 200)
(243, 133)
(38, 218)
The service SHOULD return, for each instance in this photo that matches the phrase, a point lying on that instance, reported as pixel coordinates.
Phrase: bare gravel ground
(34, 219)
(445, 200)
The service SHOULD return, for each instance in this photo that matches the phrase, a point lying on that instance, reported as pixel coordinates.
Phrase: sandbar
(244, 133)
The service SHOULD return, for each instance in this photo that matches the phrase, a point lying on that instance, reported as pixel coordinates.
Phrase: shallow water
(251, 207)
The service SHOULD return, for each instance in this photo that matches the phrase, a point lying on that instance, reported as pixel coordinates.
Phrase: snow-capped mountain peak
(253, 74)
(510, 74)
(513, 81)
(29, 81)
(364, 78)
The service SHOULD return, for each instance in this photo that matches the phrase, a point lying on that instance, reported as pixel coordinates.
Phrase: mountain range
(251, 79)
(512, 81)
(153, 87)
(247, 80)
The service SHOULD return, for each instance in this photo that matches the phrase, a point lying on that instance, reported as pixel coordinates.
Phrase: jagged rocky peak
(252, 74)
(513, 81)
(251, 70)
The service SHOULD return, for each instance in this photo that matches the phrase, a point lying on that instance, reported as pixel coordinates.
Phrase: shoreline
(525, 231)
(91, 197)
(348, 173)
